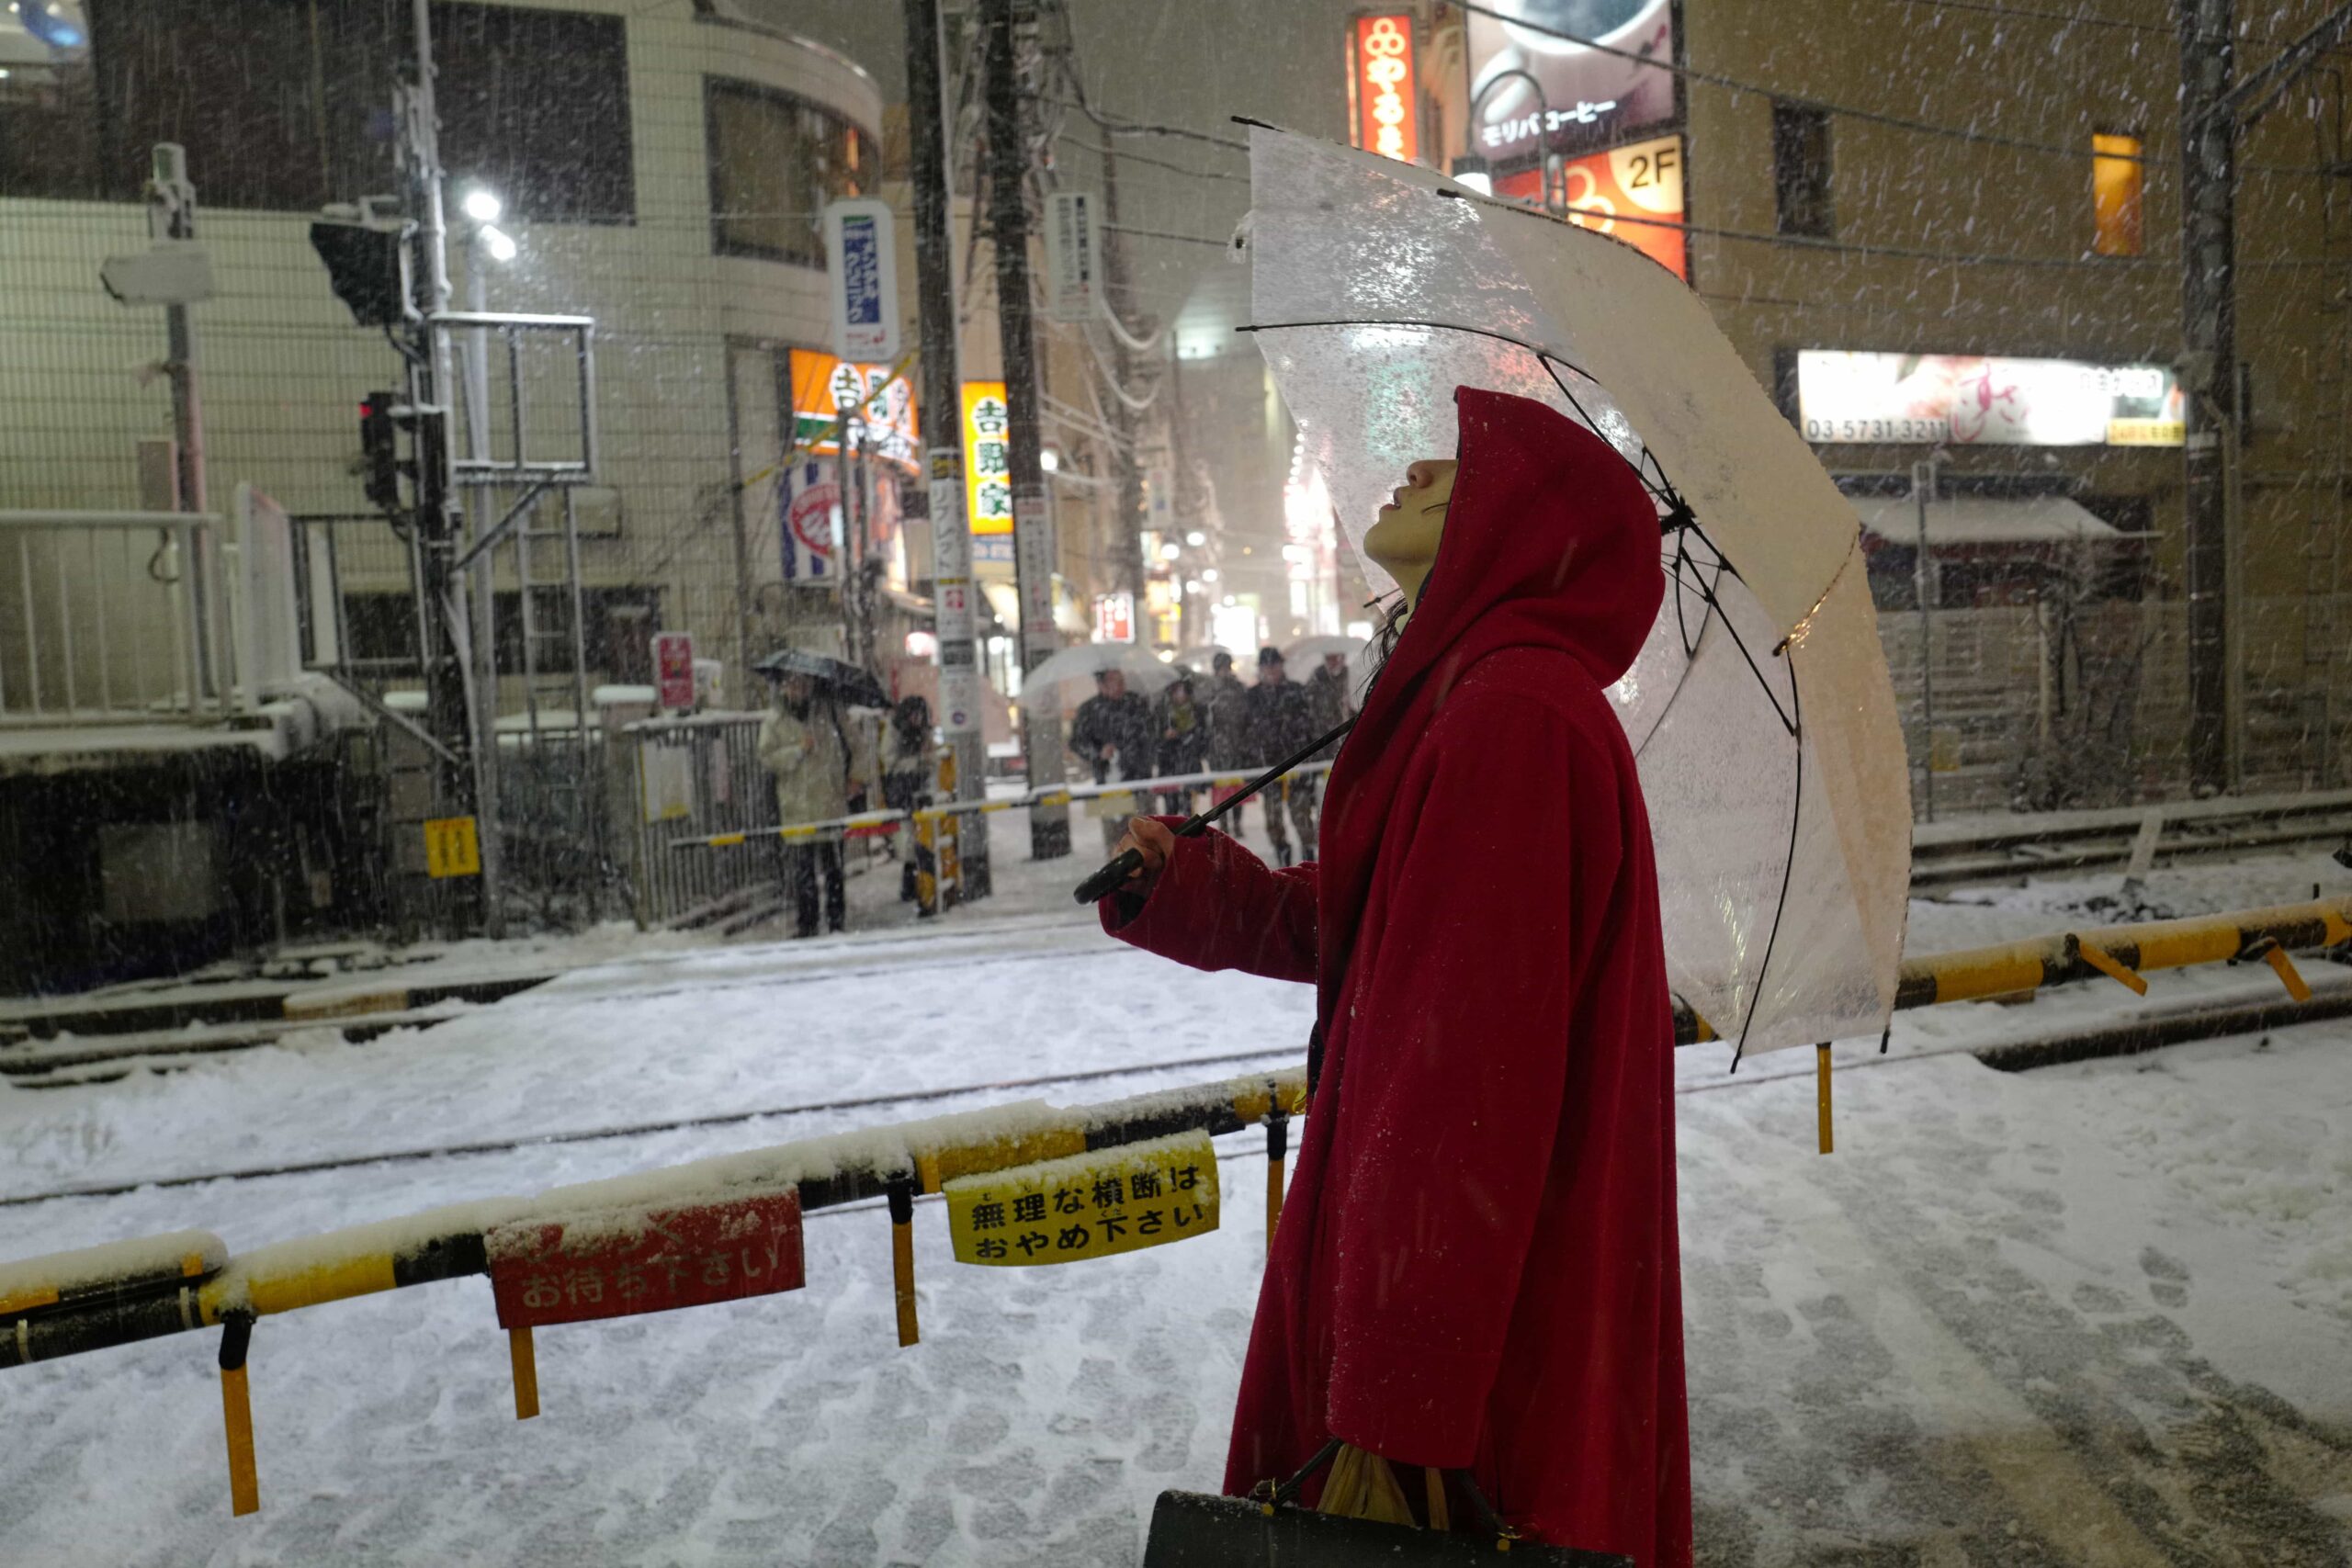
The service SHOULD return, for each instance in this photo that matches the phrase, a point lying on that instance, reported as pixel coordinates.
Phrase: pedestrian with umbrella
(1476, 1268)
(805, 745)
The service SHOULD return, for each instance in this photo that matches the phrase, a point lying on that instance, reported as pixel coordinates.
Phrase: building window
(1801, 169)
(775, 161)
(2116, 171)
(286, 105)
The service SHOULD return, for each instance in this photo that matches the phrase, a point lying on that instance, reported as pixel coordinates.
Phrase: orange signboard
(1634, 194)
(823, 386)
(1385, 108)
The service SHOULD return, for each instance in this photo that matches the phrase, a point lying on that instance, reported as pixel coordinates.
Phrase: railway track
(1979, 850)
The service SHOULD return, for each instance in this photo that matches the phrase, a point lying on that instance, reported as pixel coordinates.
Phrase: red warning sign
(674, 1257)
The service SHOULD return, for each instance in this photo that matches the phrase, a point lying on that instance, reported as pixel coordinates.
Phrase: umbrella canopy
(1202, 660)
(1048, 683)
(846, 682)
(1309, 650)
(1759, 710)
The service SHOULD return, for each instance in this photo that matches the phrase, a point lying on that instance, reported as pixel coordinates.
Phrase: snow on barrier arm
(74, 1302)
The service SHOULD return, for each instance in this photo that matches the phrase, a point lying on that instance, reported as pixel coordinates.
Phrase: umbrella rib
(1788, 874)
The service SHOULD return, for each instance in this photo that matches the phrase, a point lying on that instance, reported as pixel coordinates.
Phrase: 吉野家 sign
(988, 462)
(1089, 1205)
(1383, 104)
(1073, 267)
(673, 669)
(860, 253)
(1977, 399)
(452, 848)
(881, 408)
(542, 1273)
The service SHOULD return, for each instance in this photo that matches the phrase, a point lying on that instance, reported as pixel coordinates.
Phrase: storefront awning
(1980, 521)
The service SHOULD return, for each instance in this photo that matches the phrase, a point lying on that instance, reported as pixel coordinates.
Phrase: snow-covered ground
(2095, 1314)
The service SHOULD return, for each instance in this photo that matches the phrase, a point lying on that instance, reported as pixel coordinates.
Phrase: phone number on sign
(1877, 429)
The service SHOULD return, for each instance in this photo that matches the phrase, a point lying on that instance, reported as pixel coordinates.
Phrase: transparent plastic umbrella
(1051, 681)
(1759, 709)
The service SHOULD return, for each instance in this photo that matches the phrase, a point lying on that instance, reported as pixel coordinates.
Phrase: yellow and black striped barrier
(867, 823)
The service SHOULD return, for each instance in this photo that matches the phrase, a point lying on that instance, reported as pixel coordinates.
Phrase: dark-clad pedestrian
(1278, 721)
(1114, 737)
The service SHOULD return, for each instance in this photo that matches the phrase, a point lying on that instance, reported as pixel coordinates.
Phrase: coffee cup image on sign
(1526, 75)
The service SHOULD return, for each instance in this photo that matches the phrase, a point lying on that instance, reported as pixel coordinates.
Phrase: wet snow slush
(2099, 1313)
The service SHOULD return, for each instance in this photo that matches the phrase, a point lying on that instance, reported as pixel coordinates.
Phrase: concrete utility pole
(1127, 546)
(962, 688)
(2209, 371)
(171, 215)
(436, 519)
(1033, 516)
(2215, 108)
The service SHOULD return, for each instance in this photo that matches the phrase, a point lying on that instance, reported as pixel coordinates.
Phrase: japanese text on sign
(987, 457)
(1381, 83)
(1089, 1205)
(676, 1257)
(452, 848)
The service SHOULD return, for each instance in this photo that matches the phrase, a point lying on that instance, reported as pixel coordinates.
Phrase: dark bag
(1189, 1530)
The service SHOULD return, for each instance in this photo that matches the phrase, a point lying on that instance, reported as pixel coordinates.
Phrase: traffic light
(379, 444)
(364, 265)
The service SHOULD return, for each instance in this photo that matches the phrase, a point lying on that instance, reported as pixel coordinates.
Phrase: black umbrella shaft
(1113, 875)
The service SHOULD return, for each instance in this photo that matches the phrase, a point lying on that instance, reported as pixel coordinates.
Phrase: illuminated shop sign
(1380, 87)
(884, 422)
(1611, 191)
(987, 471)
(1974, 400)
(1579, 70)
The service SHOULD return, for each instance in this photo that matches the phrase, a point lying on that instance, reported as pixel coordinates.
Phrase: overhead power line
(1154, 162)
(1734, 85)
(1137, 128)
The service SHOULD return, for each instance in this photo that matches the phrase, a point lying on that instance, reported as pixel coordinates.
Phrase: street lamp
(482, 205)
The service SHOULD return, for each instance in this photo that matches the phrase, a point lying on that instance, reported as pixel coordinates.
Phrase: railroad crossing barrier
(930, 822)
(1029, 1178)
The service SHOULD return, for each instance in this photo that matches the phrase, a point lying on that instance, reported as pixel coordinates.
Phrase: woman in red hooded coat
(1476, 1266)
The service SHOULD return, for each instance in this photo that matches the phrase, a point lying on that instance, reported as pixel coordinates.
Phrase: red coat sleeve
(1216, 906)
(1451, 1095)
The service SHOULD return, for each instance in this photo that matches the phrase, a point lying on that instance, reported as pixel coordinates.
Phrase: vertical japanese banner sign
(1072, 273)
(988, 472)
(808, 509)
(674, 670)
(861, 252)
(1384, 106)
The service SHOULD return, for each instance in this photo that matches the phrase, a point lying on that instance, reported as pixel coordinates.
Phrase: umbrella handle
(1108, 880)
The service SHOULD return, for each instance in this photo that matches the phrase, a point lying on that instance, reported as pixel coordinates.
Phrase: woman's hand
(1155, 842)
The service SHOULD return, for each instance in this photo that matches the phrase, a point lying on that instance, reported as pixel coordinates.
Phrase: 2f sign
(861, 249)
(1073, 267)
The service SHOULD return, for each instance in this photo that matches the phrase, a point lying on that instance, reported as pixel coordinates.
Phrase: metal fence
(111, 617)
(679, 779)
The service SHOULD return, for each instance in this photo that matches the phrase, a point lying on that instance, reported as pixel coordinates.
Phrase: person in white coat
(803, 744)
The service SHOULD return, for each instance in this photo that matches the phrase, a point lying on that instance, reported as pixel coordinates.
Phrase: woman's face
(1404, 538)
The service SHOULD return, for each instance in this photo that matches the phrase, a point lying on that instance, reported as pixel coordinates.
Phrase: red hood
(1551, 541)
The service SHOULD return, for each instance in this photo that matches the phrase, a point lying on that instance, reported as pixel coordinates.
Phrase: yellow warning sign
(450, 847)
(1089, 1205)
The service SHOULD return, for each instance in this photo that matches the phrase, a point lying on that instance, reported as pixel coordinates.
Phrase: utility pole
(961, 685)
(1128, 546)
(1034, 552)
(435, 519)
(171, 215)
(2209, 371)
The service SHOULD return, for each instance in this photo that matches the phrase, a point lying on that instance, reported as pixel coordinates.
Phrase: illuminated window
(2116, 173)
